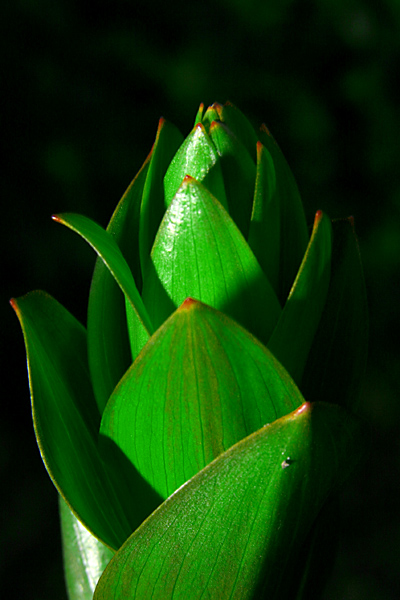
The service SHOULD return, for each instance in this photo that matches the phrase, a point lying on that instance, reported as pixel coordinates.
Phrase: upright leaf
(294, 333)
(84, 557)
(139, 323)
(338, 355)
(294, 234)
(199, 386)
(109, 351)
(200, 252)
(66, 417)
(230, 531)
(198, 158)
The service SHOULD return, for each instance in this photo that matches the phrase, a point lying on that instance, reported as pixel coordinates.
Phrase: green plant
(199, 425)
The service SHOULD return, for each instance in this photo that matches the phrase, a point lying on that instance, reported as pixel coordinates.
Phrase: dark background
(82, 92)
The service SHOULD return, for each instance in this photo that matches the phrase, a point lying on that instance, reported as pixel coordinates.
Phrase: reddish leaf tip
(318, 216)
(14, 304)
(57, 218)
(188, 179)
(188, 303)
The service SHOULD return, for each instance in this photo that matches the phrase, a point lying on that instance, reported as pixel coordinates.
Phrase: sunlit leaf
(199, 386)
(85, 558)
(200, 252)
(198, 158)
(230, 531)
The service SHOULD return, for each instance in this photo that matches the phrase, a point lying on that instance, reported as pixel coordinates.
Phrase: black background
(82, 92)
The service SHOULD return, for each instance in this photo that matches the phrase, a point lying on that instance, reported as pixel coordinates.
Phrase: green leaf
(265, 225)
(105, 246)
(167, 142)
(109, 348)
(201, 384)
(338, 356)
(238, 170)
(84, 557)
(294, 333)
(294, 233)
(198, 158)
(65, 415)
(230, 531)
(238, 123)
(200, 252)
(199, 114)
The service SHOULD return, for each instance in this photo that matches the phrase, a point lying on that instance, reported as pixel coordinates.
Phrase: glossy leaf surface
(199, 386)
(229, 532)
(338, 356)
(294, 334)
(200, 252)
(109, 350)
(198, 158)
(85, 558)
(66, 417)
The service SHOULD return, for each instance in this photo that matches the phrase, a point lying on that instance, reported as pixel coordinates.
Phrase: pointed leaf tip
(188, 303)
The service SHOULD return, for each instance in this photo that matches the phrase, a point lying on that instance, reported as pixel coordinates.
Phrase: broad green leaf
(230, 531)
(265, 225)
(84, 557)
(337, 359)
(105, 246)
(201, 384)
(294, 234)
(239, 172)
(108, 343)
(200, 252)
(294, 333)
(152, 209)
(66, 417)
(198, 158)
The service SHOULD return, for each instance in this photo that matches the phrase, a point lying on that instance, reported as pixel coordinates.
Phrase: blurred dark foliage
(83, 88)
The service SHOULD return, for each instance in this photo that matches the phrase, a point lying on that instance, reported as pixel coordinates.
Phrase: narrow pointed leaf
(84, 557)
(152, 209)
(199, 115)
(198, 158)
(265, 226)
(239, 172)
(338, 356)
(105, 246)
(230, 531)
(238, 123)
(66, 417)
(294, 333)
(200, 252)
(109, 350)
(200, 385)
(294, 234)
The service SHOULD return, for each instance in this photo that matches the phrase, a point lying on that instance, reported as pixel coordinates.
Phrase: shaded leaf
(230, 531)
(66, 417)
(265, 225)
(294, 333)
(238, 170)
(200, 252)
(199, 386)
(109, 349)
(294, 233)
(139, 324)
(338, 356)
